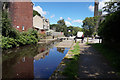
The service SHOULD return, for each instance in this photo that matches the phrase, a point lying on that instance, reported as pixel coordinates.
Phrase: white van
(79, 35)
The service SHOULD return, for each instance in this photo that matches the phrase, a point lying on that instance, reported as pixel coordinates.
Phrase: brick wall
(21, 14)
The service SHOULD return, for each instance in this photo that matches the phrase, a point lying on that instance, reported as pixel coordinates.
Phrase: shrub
(29, 37)
(12, 37)
(8, 42)
(109, 28)
(41, 36)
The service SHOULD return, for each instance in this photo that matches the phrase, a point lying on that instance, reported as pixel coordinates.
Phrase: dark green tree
(7, 29)
(109, 28)
(61, 27)
(89, 25)
(112, 6)
(61, 22)
(36, 13)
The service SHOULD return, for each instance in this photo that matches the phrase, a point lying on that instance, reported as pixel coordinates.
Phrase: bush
(24, 38)
(12, 37)
(8, 42)
(0, 40)
(41, 36)
(7, 29)
(109, 28)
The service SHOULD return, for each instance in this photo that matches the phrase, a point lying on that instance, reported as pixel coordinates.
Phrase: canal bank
(47, 41)
(57, 74)
(32, 61)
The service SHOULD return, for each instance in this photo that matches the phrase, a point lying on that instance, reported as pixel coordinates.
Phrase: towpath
(93, 65)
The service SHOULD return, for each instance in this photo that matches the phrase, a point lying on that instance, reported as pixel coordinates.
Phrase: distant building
(41, 24)
(96, 8)
(96, 13)
(21, 14)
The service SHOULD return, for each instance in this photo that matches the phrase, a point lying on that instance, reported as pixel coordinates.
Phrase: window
(22, 27)
(17, 26)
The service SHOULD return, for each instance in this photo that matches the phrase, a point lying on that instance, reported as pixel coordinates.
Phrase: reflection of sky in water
(43, 68)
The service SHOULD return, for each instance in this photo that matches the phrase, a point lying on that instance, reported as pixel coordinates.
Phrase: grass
(110, 53)
(71, 70)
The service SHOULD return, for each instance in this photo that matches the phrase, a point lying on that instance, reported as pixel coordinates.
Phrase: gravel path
(93, 65)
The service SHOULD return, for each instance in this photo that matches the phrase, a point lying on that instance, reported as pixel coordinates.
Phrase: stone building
(96, 8)
(96, 13)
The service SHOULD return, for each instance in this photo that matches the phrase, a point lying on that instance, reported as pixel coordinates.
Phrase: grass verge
(71, 70)
(111, 54)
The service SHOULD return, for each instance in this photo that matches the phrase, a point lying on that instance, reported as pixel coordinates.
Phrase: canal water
(32, 61)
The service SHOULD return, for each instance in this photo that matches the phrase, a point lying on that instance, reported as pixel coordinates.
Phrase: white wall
(38, 22)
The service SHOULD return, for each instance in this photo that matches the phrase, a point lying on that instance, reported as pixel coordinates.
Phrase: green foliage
(76, 49)
(35, 13)
(109, 28)
(111, 7)
(0, 40)
(7, 29)
(24, 38)
(61, 22)
(13, 38)
(64, 28)
(89, 25)
(8, 42)
(71, 70)
(41, 36)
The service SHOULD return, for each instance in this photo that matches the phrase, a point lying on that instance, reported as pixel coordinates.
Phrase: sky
(72, 12)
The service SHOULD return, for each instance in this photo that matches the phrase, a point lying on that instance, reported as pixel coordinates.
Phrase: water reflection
(61, 50)
(33, 61)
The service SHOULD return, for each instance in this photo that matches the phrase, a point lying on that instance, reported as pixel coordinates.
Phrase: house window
(17, 26)
(22, 27)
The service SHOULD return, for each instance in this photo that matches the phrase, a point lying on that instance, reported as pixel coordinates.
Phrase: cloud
(91, 8)
(69, 18)
(77, 21)
(52, 16)
(39, 10)
(61, 18)
(102, 3)
(68, 23)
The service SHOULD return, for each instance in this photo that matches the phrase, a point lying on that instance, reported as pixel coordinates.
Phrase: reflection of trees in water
(12, 57)
(61, 50)
(41, 55)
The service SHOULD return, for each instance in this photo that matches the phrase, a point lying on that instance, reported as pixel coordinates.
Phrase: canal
(32, 61)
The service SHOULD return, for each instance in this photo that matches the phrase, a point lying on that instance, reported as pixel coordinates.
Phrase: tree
(61, 27)
(61, 22)
(7, 29)
(109, 28)
(35, 13)
(111, 6)
(55, 27)
(89, 25)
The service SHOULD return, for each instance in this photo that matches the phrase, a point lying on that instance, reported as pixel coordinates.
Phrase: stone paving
(91, 65)
(65, 44)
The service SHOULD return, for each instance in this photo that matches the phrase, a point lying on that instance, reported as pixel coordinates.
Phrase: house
(21, 14)
(41, 24)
